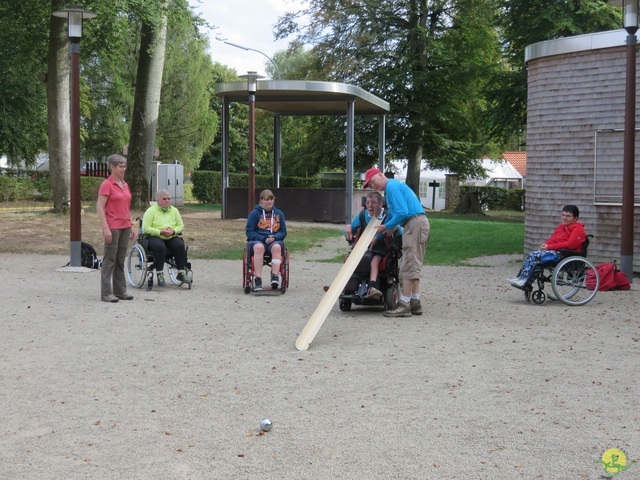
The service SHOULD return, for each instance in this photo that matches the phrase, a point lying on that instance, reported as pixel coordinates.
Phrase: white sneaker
(518, 282)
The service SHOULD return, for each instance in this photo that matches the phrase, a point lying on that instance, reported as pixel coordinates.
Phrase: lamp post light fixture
(630, 24)
(275, 65)
(75, 14)
(252, 87)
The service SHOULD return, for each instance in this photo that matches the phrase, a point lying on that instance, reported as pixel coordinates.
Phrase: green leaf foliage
(429, 60)
(523, 23)
(23, 36)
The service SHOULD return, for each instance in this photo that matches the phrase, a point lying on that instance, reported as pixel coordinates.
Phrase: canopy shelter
(296, 97)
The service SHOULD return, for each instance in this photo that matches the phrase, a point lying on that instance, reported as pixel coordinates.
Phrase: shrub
(515, 199)
(38, 187)
(206, 186)
(495, 198)
(89, 187)
(188, 192)
(13, 188)
(42, 188)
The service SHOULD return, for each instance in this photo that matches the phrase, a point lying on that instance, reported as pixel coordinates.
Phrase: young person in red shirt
(569, 235)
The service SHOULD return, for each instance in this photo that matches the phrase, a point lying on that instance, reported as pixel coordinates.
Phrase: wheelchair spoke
(569, 281)
(136, 266)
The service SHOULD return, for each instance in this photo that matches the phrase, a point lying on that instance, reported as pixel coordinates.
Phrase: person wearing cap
(406, 211)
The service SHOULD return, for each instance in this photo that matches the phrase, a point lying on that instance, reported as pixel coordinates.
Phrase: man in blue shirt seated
(406, 211)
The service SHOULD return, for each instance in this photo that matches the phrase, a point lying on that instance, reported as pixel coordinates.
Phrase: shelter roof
(299, 97)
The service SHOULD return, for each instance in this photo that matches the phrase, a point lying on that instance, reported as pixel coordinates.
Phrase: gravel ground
(173, 384)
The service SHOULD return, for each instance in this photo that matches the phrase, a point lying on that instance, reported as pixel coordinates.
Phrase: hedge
(38, 187)
(206, 188)
(496, 198)
(207, 185)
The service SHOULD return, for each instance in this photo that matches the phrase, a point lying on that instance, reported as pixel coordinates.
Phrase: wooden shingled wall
(570, 98)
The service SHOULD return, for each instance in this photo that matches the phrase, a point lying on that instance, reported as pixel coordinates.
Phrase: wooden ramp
(337, 286)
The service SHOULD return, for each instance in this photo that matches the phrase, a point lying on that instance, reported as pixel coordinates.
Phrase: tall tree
(58, 113)
(23, 36)
(187, 125)
(422, 56)
(146, 107)
(523, 23)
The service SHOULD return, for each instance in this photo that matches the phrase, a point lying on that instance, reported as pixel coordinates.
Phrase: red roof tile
(518, 160)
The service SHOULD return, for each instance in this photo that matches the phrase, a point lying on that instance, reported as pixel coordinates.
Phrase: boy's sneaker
(275, 281)
(183, 277)
(416, 307)
(161, 282)
(257, 284)
(374, 293)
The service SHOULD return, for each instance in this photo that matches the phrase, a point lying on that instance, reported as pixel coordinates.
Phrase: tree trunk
(469, 204)
(58, 114)
(144, 122)
(413, 168)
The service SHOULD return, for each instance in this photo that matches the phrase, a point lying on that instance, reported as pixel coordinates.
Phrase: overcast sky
(249, 23)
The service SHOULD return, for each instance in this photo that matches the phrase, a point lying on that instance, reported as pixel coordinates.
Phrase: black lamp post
(75, 14)
(252, 86)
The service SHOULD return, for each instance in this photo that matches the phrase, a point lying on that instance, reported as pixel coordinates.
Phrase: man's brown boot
(402, 310)
(416, 308)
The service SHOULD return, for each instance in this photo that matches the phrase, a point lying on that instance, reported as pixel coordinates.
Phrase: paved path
(173, 384)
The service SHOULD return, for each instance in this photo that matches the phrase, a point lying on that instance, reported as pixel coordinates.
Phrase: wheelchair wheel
(246, 272)
(136, 266)
(284, 272)
(538, 297)
(172, 271)
(392, 296)
(568, 281)
(345, 305)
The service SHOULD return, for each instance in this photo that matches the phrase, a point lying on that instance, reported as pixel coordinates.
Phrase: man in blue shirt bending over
(406, 211)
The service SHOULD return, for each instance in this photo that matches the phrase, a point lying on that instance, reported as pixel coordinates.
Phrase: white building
(500, 174)
(432, 182)
(42, 162)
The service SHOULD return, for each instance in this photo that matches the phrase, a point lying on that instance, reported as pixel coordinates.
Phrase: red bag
(610, 278)
(622, 283)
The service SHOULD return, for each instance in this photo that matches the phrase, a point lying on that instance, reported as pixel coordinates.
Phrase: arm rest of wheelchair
(144, 242)
(571, 253)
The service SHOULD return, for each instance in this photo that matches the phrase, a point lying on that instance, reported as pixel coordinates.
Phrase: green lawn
(454, 239)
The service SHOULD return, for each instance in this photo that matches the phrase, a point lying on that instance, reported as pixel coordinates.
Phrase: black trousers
(159, 248)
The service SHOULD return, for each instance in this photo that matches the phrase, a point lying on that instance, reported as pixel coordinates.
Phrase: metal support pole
(351, 108)
(277, 151)
(252, 152)
(381, 142)
(225, 155)
(76, 206)
(628, 169)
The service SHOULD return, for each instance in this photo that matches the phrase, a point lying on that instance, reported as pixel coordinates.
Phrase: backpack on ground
(610, 278)
(89, 257)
